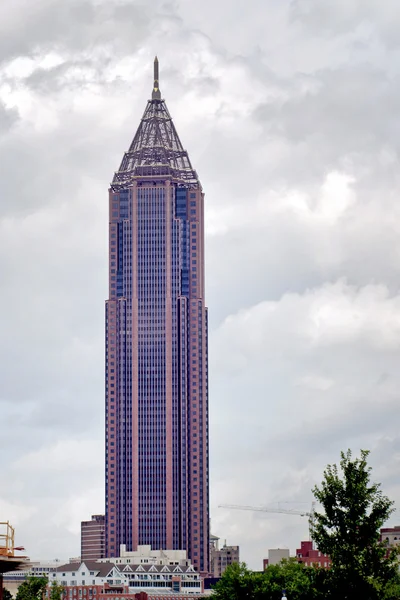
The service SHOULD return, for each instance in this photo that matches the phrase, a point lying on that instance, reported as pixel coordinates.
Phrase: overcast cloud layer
(290, 112)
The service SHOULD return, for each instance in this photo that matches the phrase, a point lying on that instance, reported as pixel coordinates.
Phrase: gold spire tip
(156, 95)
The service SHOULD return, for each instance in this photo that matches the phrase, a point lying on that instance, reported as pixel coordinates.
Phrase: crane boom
(301, 513)
(283, 511)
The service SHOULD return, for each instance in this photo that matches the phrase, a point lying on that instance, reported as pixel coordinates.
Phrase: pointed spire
(156, 95)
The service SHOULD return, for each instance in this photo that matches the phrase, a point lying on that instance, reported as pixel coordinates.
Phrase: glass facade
(156, 355)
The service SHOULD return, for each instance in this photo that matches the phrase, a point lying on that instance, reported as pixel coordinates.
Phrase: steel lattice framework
(156, 150)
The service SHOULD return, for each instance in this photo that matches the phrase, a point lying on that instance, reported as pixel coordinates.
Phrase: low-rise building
(275, 556)
(221, 558)
(38, 568)
(307, 555)
(90, 579)
(144, 555)
(391, 536)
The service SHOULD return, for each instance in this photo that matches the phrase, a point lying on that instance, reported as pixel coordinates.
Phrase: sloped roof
(156, 149)
(102, 569)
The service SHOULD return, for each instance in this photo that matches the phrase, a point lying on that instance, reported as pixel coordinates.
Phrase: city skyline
(157, 489)
(289, 112)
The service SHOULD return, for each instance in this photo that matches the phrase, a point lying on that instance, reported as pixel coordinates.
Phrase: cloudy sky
(290, 112)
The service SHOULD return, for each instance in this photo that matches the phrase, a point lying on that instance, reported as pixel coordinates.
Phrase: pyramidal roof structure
(156, 149)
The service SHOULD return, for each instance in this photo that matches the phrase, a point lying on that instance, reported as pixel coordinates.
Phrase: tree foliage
(56, 591)
(239, 583)
(7, 595)
(33, 588)
(348, 530)
(296, 579)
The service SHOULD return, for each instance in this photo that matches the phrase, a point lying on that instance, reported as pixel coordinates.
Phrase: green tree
(7, 594)
(239, 583)
(348, 530)
(56, 591)
(297, 580)
(33, 588)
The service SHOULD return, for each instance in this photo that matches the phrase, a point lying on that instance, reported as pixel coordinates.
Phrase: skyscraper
(156, 347)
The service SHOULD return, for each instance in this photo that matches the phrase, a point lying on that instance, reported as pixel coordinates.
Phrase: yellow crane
(8, 560)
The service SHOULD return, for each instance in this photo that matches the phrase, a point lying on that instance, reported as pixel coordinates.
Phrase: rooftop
(156, 150)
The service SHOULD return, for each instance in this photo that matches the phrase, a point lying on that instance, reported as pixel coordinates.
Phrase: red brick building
(307, 555)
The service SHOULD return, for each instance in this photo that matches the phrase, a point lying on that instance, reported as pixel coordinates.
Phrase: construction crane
(283, 511)
(8, 560)
(7, 534)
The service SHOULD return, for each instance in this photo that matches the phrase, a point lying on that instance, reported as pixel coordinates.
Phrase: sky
(289, 111)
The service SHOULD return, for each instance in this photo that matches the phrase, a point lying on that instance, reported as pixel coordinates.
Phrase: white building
(88, 578)
(276, 555)
(144, 555)
(89, 573)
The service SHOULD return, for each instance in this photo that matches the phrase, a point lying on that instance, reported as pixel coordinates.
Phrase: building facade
(91, 579)
(145, 555)
(309, 556)
(391, 536)
(93, 538)
(276, 556)
(43, 568)
(221, 558)
(156, 347)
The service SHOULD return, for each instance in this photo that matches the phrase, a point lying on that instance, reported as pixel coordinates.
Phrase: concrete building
(157, 489)
(275, 556)
(221, 558)
(391, 536)
(93, 538)
(307, 555)
(145, 555)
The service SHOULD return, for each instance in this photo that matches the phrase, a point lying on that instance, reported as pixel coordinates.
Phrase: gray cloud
(8, 117)
(289, 113)
(79, 25)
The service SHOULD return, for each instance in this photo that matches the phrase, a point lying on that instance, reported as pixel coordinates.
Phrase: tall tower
(156, 347)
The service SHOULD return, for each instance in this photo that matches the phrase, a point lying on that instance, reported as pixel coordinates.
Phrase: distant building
(93, 538)
(275, 556)
(391, 536)
(91, 580)
(220, 559)
(145, 555)
(44, 568)
(307, 555)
